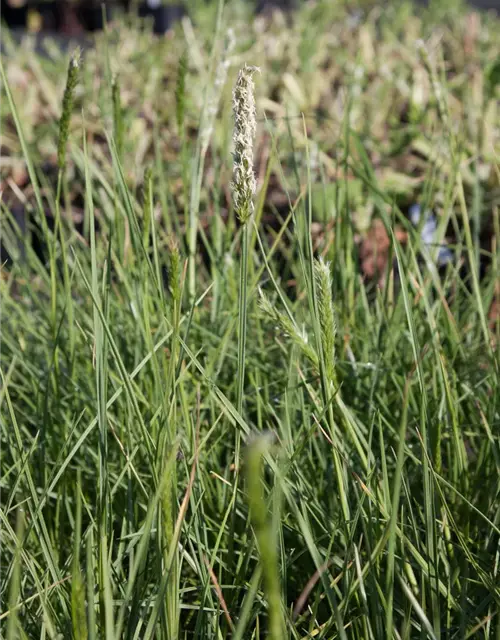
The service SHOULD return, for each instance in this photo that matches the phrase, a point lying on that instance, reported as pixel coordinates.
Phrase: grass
(147, 333)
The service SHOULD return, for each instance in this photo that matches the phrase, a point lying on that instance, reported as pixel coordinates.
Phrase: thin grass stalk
(396, 494)
(67, 108)
(66, 275)
(118, 125)
(13, 625)
(242, 323)
(180, 115)
(264, 534)
(78, 616)
(90, 579)
(105, 597)
(244, 187)
(169, 493)
(319, 333)
(147, 209)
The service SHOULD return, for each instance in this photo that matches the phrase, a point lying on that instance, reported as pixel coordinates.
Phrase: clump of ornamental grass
(379, 513)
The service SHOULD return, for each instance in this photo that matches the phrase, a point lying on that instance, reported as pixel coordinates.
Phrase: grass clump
(160, 332)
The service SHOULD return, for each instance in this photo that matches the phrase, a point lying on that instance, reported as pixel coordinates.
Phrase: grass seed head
(117, 115)
(245, 124)
(67, 107)
(180, 92)
(174, 269)
(326, 312)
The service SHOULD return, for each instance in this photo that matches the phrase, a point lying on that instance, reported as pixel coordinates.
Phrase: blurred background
(72, 17)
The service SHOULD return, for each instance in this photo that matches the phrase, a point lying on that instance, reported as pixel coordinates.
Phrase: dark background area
(486, 4)
(76, 17)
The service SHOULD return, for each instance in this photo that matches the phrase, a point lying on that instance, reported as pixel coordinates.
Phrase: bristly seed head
(244, 183)
(67, 107)
(174, 269)
(322, 274)
(118, 128)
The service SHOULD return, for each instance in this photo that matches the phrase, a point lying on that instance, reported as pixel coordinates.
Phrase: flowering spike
(67, 107)
(244, 184)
